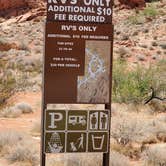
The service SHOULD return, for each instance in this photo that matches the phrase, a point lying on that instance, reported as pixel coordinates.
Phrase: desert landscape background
(138, 127)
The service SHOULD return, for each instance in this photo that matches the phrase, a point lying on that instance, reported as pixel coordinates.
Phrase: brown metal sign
(77, 70)
(76, 131)
(92, 11)
(77, 63)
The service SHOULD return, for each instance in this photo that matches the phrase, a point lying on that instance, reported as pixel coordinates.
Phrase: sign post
(77, 70)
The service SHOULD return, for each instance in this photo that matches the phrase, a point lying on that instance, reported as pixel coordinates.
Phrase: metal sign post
(77, 70)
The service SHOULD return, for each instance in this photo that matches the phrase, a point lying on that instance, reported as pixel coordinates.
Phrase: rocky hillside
(13, 8)
(139, 63)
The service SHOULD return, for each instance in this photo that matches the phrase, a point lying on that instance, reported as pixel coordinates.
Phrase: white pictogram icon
(55, 144)
(98, 120)
(79, 144)
(76, 120)
(95, 60)
(94, 120)
(55, 117)
(103, 121)
(97, 142)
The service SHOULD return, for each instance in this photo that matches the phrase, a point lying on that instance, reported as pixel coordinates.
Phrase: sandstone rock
(162, 45)
(133, 3)
(141, 57)
(154, 44)
(5, 46)
(16, 7)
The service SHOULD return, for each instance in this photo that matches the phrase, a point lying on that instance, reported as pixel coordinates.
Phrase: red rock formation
(133, 3)
(16, 7)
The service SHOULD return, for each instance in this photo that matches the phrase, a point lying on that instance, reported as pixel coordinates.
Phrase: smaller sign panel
(98, 120)
(76, 131)
(77, 120)
(94, 11)
(55, 120)
(76, 142)
(55, 142)
(98, 142)
(78, 60)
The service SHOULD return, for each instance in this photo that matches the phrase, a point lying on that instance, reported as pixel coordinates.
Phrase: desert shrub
(24, 152)
(24, 46)
(155, 155)
(14, 77)
(9, 138)
(135, 85)
(136, 19)
(157, 105)
(125, 130)
(129, 86)
(140, 17)
(131, 134)
(10, 112)
(22, 81)
(7, 82)
(16, 111)
(118, 159)
(132, 152)
(150, 11)
(16, 148)
(2, 40)
(24, 107)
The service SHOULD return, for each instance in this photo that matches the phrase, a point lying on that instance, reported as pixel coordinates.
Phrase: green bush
(7, 83)
(150, 11)
(140, 17)
(136, 19)
(135, 85)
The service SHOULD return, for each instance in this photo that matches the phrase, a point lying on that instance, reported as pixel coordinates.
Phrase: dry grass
(10, 112)
(16, 147)
(9, 139)
(118, 159)
(155, 155)
(16, 111)
(24, 152)
(86, 160)
(133, 131)
(125, 128)
(75, 160)
(130, 127)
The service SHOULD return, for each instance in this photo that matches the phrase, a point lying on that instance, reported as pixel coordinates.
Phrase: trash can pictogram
(97, 142)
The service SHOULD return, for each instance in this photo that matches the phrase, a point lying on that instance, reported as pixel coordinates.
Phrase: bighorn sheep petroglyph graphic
(94, 59)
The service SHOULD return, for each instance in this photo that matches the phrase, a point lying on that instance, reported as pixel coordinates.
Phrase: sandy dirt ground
(23, 123)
